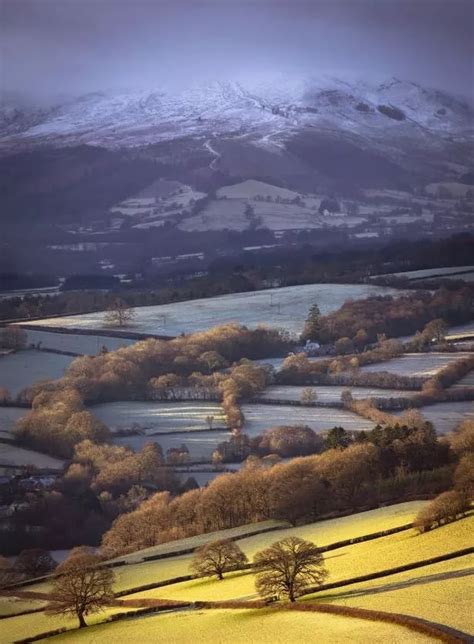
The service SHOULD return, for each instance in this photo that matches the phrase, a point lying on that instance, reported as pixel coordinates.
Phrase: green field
(245, 627)
(13, 605)
(438, 593)
(16, 628)
(344, 563)
(322, 533)
(441, 593)
(199, 540)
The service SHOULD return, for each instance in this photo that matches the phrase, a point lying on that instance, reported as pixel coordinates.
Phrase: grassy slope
(15, 628)
(344, 563)
(440, 593)
(322, 533)
(198, 540)
(244, 626)
(13, 605)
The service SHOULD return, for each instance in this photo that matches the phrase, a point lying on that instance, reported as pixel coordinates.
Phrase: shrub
(446, 507)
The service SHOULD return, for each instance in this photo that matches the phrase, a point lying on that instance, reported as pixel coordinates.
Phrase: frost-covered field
(332, 394)
(200, 444)
(24, 368)
(445, 416)
(445, 271)
(14, 455)
(155, 417)
(258, 418)
(186, 420)
(416, 364)
(460, 331)
(74, 342)
(282, 307)
(251, 188)
(467, 381)
(230, 213)
(8, 418)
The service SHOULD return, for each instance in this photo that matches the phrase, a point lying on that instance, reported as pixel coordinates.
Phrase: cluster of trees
(392, 316)
(58, 421)
(275, 443)
(114, 470)
(385, 464)
(287, 568)
(453, 504)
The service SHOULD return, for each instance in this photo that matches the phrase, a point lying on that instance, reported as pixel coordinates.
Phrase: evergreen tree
(312, 325)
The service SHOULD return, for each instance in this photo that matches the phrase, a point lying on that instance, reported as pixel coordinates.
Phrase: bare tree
(118, 313)
(81, 586)
(217, 557)
(289, 567)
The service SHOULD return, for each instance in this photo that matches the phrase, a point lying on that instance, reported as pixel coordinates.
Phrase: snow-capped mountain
(272, 108)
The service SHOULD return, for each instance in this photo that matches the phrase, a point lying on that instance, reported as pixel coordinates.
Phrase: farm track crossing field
(441, 593)
(446, 415)
(75, 342)
(258, 418)
(416, 364)
(329, 394)
(282, 307)
(244, 626)
(24, 368)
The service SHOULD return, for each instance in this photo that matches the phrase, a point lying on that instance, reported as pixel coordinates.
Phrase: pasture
(447, 272)
(258, 418)
(436, 593)
(168, 424)
(321, 532)
(282, 307)
(24, 368)
(8, 418)
(344, 563)
(332, 394)
(74, 342)
(446, 415)
(13, 455)
(246, 625)
(422, 365)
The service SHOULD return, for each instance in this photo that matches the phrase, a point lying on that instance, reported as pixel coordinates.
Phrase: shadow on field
(415, 581)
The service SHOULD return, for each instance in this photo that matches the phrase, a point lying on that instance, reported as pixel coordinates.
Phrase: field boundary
(329, 547)
(439, 631)
(391, 571)
(103, 333)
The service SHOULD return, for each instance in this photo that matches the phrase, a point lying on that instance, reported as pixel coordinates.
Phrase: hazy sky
(54, 47)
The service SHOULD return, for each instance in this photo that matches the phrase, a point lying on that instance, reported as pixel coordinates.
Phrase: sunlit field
(244, 626)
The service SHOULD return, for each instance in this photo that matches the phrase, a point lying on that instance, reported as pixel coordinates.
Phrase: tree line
(390, 464)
